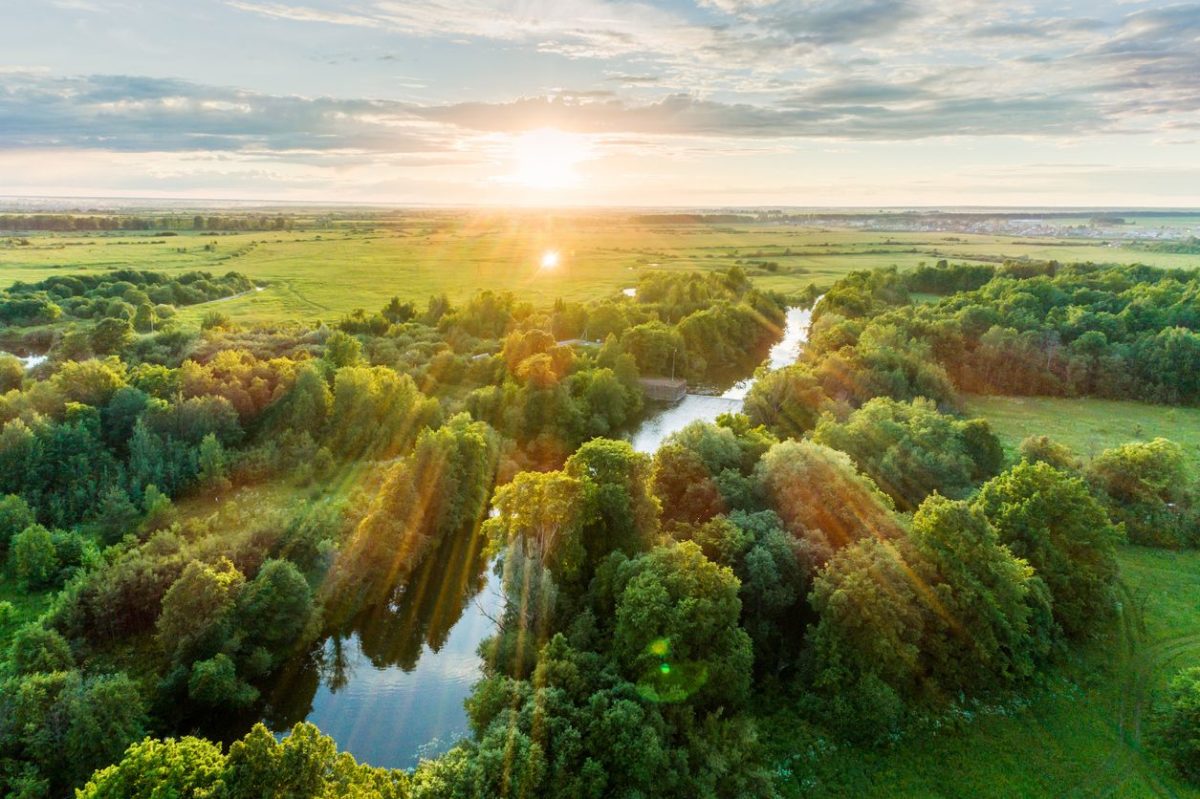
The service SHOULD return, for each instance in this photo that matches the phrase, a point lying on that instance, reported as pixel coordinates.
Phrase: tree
(91, 382)
(275, 607)
(36, 649)
(438, 493)
(1051, 520)
(145, 318)
(1148, 491)
(545, 513)
(342, 349)
(63, 725)
(787, 401)
(398, 312)
(15, 516)
(214, 682)
(911, 450)
(1137, 472)
(303, 765)
(624, 516)
(159, 510)
(116, 515)
(212, 466)
(215, 320)
(153, 769)
(197, 610)
(12, 373)
(1178, 724)
(111, 336)
(675, 629)
(989, 622)
(684, 486)
(774, 570)
(1043, 449)
(822, 498)
(34, 557)
(866, 642)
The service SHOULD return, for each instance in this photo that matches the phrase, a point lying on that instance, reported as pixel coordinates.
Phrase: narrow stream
(390, 688)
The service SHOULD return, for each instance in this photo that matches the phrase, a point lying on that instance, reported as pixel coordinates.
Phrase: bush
(1179, 724)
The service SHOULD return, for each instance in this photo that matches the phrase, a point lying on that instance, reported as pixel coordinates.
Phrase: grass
(324, 274)
(1088, 426)
(1086, 733)
(26, 606)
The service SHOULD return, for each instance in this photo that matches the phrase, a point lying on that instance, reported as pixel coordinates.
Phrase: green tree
(145, 318)
(1178, 724)
(213, 467)
(36, 649)
(866, 642)
(1149, 490)
(624, 514)
(116, 515)
(787, 401)
(188, 768)
(15, 516)
(675, 630)
(342, 349)
(1051, 520)
(12, 373)
(159, 510)
(822, 498)
(34, 557)
(197, 610)
(214, 682)
(111, 336)
(911, 450)
(275, 607)
(990, 614)
(1043, 449)
(545, 513)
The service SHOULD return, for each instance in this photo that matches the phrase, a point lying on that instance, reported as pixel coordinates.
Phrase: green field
(323, 274)
(1085, 734)
(1088, 426)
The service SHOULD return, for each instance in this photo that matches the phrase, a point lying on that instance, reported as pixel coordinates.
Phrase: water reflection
(709, 404)
(391, 684)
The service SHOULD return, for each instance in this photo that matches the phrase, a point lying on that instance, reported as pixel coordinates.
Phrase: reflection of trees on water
(423, 611)
(426, 608)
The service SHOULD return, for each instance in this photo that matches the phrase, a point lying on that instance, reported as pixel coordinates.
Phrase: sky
(593, 102)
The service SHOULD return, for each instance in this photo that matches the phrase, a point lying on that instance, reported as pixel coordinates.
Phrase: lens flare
(550, 259)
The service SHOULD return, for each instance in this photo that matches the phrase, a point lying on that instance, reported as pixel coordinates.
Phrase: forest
(852, 544)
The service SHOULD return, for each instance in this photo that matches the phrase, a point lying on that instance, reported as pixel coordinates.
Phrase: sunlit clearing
(550, 259)
(546, 159)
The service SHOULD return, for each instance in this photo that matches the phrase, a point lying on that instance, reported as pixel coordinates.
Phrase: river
(390, 688)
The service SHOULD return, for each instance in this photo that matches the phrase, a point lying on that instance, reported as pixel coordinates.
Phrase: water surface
(389, 688)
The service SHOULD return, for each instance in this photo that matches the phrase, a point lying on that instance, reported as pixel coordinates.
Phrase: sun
(547, 158)
(550, 259)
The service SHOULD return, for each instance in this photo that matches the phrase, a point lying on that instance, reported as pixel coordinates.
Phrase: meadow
(1083, 733)
(324, 273)
(1088, 426)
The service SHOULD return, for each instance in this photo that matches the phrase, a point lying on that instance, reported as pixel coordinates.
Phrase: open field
(1088, 426)
(323, 274)
(1084, 734)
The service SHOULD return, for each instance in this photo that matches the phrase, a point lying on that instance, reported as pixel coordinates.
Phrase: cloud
(685, 115)
(128, 113)
(304, 14)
